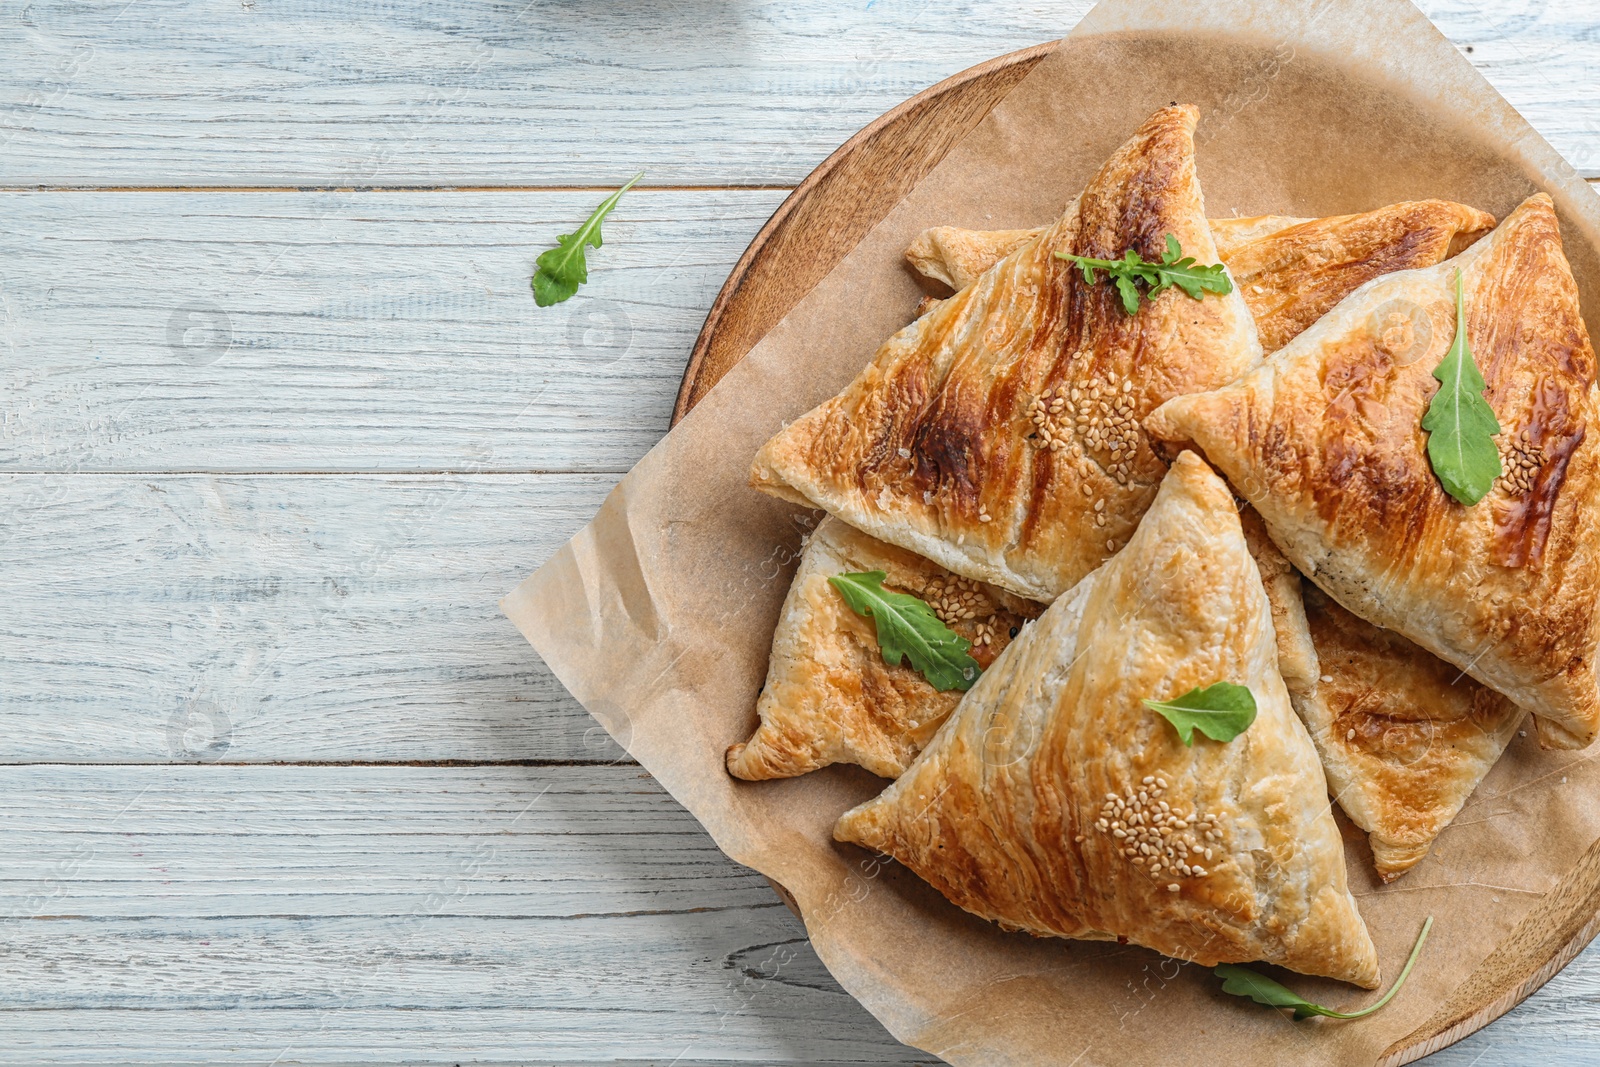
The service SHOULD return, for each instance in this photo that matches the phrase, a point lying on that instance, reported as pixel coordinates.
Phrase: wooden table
(280, 423)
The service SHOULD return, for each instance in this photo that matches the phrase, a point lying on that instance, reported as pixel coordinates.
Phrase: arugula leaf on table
(1174, 269)
(1243, 982)
(1460, 423)
(1221, 711)
(563, 268)
(908, 629)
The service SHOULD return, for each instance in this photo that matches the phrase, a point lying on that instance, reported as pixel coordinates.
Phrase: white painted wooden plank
(513, 92)
(261, 618)
(348, 331)
(162, 92)
(549, 843)
(562, 913)
(566, 914)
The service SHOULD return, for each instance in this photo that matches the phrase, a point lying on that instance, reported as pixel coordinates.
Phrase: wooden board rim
(1546, 940)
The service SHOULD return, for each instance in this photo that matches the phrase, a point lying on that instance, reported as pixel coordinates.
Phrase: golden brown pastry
(1291, 277)
(830, 697)
(1297, 653)
(1325, 440)
(1055, 801)
(1404, 737)
(1233, 234)
(999, 434)
(1290, 271)
(956, 257)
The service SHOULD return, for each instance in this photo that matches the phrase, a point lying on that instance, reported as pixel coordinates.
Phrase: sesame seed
(1350, 734)
(1172, 887)
(1327, 677)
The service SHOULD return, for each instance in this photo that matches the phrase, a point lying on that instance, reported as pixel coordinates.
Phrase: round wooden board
(821, 221)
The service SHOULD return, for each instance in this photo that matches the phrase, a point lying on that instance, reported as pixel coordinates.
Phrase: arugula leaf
(1243, 982)
(1173, 269)
(908, 628)
(1221, 711)
(1459, 421)
(562, 269)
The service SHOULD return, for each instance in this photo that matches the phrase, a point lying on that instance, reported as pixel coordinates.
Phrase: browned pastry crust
(999, 434)
(1404, 737)
(956, 257)
(1291, 277)
(1054, 801)
(1325, 440)
(1290, 271)
(1297, 653)
(829, 696)
(1233, 234)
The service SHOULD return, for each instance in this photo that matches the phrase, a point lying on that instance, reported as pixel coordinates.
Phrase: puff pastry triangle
(1289, 270)
(1054, 801)
(1404, 736)
(1325, 441)
(957, 256)
(999, 434)
(829, 696)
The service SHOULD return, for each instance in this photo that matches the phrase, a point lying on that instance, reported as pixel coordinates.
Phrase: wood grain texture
(219, 914)
(238, 914)
(548, 92)
(196, 618)
(761, 291)
(347, 331)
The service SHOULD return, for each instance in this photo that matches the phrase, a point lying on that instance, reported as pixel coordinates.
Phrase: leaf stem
(593, 221)
(1405, 972)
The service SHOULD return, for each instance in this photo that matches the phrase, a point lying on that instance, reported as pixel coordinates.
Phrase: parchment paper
(658, 615)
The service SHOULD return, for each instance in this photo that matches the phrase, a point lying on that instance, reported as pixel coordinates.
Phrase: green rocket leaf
(1221, 711)
(908, 629)
(1174, 269)
(562, 269)
(1243, 982)
(1459, 421)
